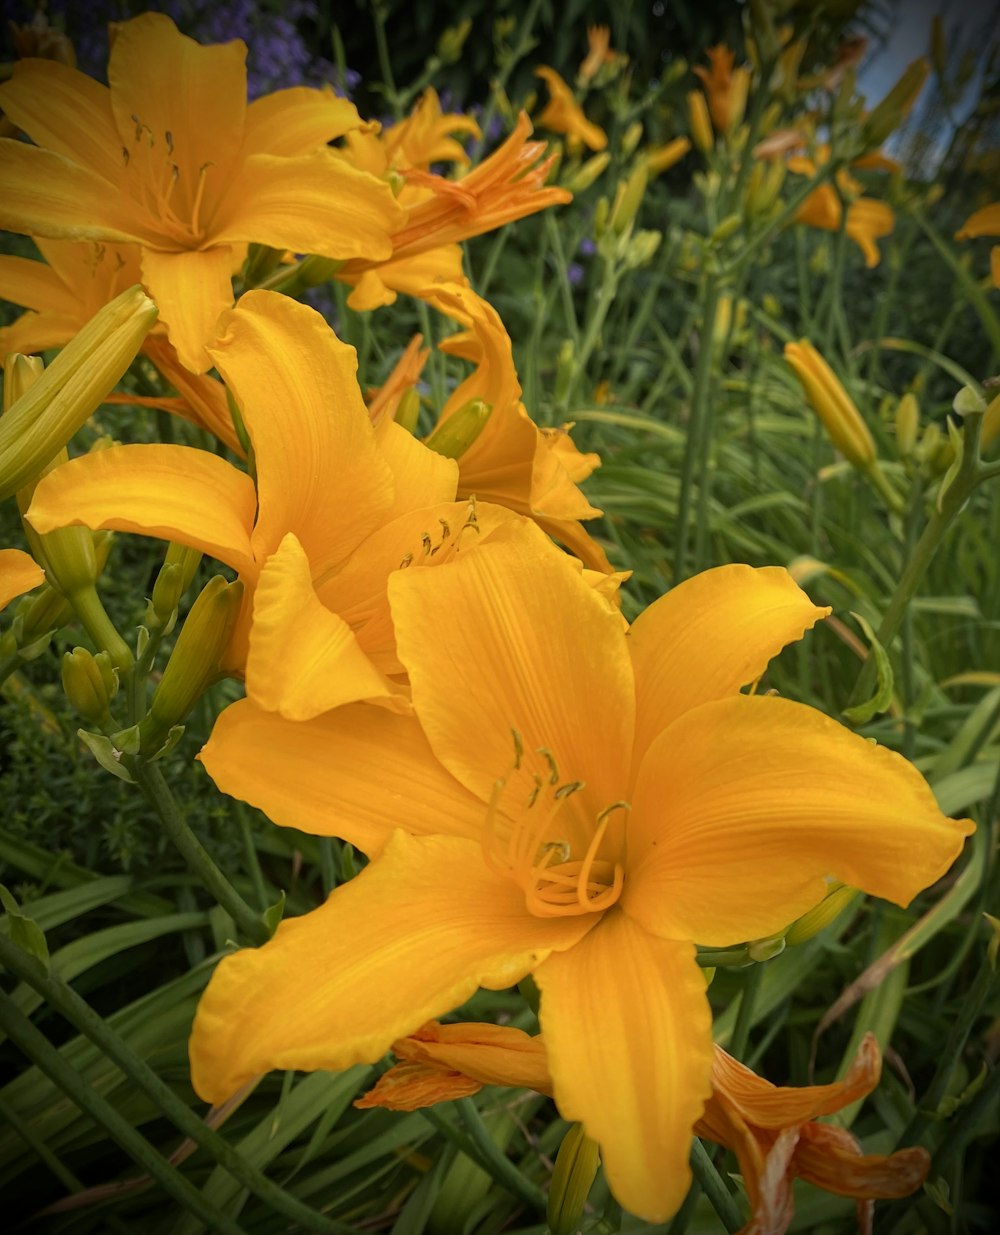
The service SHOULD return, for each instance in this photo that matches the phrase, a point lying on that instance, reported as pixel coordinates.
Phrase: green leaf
(861, 713)
(273, 913)
(106, 754)
(23, 931)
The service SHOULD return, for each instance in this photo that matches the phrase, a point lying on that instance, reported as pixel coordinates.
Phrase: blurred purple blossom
(574, 272)
(278, 56)
(587, 247)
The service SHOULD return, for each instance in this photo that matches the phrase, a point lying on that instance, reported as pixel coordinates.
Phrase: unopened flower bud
(641, 249)
(454, 436)
(452, 41)
(628, 199)
(820, 916)
(45, 417)
(572, 1178)
(991, 424)
(659, 158)
(194, 663)
(832, 404)
(408, 410)
(90, 683)
(42, 614)
(173, 579)
(729, 226)
(702, 133)
(565, 368)
(907, 424)
(888, 115)
(766, 949)
(585, 175)
(631, 138)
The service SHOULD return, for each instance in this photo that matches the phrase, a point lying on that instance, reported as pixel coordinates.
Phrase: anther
(518, 749)
(170, 141)
(571, 787)
(533, 795)
(425, 541)
(406, 561)
(553, 766)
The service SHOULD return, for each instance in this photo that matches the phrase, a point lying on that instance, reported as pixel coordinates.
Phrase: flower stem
(714, 1187)
(157, 791)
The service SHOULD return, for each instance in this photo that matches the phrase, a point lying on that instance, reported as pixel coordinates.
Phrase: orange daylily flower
(570, 801)
(190, 175)
(868, 220)
(725, 87)
(336, 505)
(563, 114)
(599, 54)
(772, 1130)
(61, 294)
(985, 222)
(509, 184)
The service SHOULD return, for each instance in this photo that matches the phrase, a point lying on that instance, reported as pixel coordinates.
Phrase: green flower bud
(195, 660)
(90, 683)
(907, 424)
(587, 173)
(628, 199)
(572, 1179)
(42, 614)
(454, 437)
(811, 923)
(45, 417)
(173, 580)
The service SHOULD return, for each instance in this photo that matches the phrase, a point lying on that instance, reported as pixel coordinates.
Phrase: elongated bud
(811, 923)
(573, 1176)
(631, 138)
(888, 115)
(19, 374)
(408, 411)
(45, 417)
(641, 248)
(831, 402)
(565, 369)
(90, 683)
(702, 133)
(42, 614)
(991, 424)
(736, 102)
(628, 199)
(454, 437)
(907, 424)
(450, 43)
(174, 578)
(659, 158)
(729, 226)
(194, 663)
(587, 173)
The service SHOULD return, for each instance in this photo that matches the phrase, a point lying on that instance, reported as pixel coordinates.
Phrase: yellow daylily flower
(867, 221)
(335, 507)
(984, 222)
(725, 87)
(774, 1131)
(563, 114)
(569, 801)
(509, 184)
(19, 573)
(61, 294)
(189, 172)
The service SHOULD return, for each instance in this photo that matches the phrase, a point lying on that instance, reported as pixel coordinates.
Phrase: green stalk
(595, 321)
(37, 1047)
(157, 791)
(24, 1130)
(60, 996)
(491, 1160)
(517, 53)
(969, 285)
(752, 979)
(714, 1187)
(786, 216)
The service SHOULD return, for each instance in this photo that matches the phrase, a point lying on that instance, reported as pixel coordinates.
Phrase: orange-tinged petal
(357, 772)
(742, 807)
(19, 573)
(729, 622)
(868, 221)
(173, 492)
(191, 290)
(66, 111)
(512, 638)
(830, 1158)
(411, 1086)
(297, 120)
(493, 1054)
(311, 203)
(303, 659)
(772, 1106)
(426, 537)
(628, 1029)
(204, 395)
(370, 292)
(410, 938)
(36, 332)
(984, 222)
(167, 83)
(35, 286)
(319, 471)
(421, 477)
(46, 193)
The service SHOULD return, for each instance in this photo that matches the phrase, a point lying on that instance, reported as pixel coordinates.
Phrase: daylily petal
(35, 285)
(426, 537)
(303, 659)
(984, 222)
(357, 772)
(627, 1026)
(831, 1158)
(730, 622)
(319, 472)
(411, 1086)
(742, 807)
(191, 290)
(66, 111)
(421, 476)
(41, 191)
(36, 332)
(297, 120)
(173, 492)
(493, 643)
(204, 395)
(410, 938)
(311, 203)
(19, 573)
(168, 83)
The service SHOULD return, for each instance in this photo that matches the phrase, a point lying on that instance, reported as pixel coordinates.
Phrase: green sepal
(106, 754)
(861, 713)
(22, 930)
(127, 740)
(273, 914)
(34, 649)
(174, 735)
